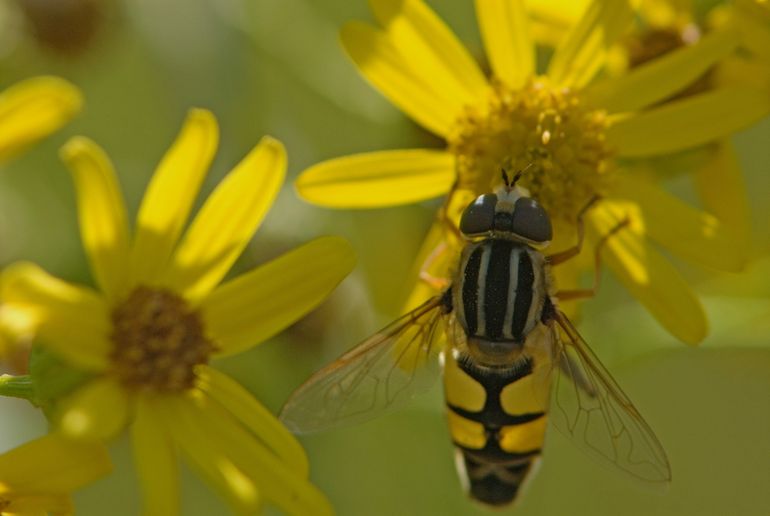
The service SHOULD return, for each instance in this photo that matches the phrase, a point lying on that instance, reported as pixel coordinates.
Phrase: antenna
(510, 183)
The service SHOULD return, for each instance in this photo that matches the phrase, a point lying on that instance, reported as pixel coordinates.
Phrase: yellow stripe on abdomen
(465, 432)
(524, 396)
(523, 438)
(460, 389)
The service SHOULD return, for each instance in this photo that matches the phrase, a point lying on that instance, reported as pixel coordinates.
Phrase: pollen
(548, 133)
(157, 341)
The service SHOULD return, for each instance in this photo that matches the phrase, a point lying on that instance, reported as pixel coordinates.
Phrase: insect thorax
(499, 296)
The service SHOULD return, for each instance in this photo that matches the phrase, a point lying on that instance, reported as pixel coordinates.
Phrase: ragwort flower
(661, 27)
(37, 477)
(160, 315)
(577, 129)
(33, 109)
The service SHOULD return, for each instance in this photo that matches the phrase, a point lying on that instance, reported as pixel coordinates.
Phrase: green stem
(17, 386)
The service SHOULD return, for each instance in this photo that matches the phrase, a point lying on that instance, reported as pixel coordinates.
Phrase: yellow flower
(581, 131)
(38, 477)
(33, 109)
(161, 315)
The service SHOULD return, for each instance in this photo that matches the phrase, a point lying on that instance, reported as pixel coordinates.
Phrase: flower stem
(17, 386)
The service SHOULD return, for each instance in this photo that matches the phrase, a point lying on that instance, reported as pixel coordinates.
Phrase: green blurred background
(275, 67)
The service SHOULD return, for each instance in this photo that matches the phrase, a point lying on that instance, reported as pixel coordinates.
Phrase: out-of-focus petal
(584, 49)
(254, 416)
(170, 195)
(687, 123)
(662, 77)
(73, 321)
(227, 221)
(255, 306)
(101, 213)
(53, 464)
(275, 480)
(154, 460)
(181, 419)
(33, 109)
(96, 412)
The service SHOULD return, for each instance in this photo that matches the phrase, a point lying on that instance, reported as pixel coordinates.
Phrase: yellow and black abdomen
(497, 425)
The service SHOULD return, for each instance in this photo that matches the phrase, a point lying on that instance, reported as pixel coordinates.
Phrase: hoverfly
(511, 361)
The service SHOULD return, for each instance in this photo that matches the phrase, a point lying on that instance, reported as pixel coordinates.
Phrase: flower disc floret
(158, 340)
(545, 131)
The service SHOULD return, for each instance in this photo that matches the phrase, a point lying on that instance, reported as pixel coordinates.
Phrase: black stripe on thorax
(497, 283)
(523, 299)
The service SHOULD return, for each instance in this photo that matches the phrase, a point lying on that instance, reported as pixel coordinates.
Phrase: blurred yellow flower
(753, 18)
(578, 129)
(33, 109)
(37, 477)
(161, 314)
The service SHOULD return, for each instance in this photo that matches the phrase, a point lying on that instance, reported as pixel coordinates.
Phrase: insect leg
(583, 293)
(432, 281)
(563, 256)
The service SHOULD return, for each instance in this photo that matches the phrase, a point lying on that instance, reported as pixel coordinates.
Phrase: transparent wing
(378, 375)
(590, 408)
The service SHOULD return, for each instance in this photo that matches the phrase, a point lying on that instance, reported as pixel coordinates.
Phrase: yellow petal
(33, 109)
(584, 49)
(181, 421)
(170, 195)
(723, 191)
(689, 233)
(155, 462)
(95, 412)
(647, 274)
(255, 417)
(559, 13)
(753, 19)
(227, 221)
(380, 62)
(277, 481)
(504, 28)
(376, 179)
(432, 51)
(663, 77)
(687, 123)
(101, 213)
(255, 306)
(40, 505)
(73, 321)
(53, 464)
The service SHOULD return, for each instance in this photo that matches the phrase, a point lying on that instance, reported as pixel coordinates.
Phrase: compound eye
(530, 221)
(479, 216)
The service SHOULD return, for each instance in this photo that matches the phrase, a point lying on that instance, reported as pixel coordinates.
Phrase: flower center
(547, 132)
(158, 341)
